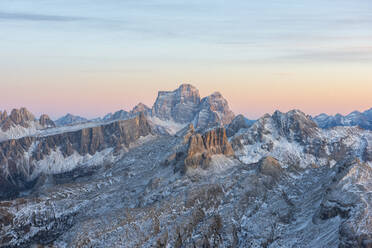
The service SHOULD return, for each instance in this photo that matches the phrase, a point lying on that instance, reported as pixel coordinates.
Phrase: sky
(91, 57)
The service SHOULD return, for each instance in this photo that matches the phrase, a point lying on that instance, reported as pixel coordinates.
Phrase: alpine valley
(186, 172)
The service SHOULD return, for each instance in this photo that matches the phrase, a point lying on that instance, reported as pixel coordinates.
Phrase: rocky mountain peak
(214, 111)
(3, 116)
(188, 92)
(18, 117)
(355, 118)
(239, 122)
(22, 115)
(179, 105)
(368, 113)
(70, 119)
(140, 107)
(184, 105)
(45, 121)
(294, 125)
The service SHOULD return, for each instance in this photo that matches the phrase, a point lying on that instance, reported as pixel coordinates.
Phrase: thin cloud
(362, 54)
(38, 17)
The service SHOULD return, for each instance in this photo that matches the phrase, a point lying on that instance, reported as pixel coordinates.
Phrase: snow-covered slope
(295, 140)
(140, 201)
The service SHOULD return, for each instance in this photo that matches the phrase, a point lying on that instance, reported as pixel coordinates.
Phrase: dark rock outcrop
(270, 166)
(45, 121)
(16, 168)
(3, 116)
(239, 122)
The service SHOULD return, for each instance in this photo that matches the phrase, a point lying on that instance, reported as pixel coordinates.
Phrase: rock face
(18, 117)
(239, 122)
(140, 108)
(294, 139)
(3, 116)
(295, 125)
(20, 160)
(124, 115)
(179, 105)
(45, 121)
(270, 166)
(21, 123)
(185, 106)
(70, 119)
(202, 147)
(356, 118)
(214, 110)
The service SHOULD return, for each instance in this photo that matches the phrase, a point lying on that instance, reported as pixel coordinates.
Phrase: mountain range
(185, 173)
(356, 118)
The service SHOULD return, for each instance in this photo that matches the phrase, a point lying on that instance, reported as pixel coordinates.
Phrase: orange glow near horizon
(252, 91)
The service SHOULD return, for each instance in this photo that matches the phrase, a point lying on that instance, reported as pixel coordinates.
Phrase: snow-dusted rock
(23, 160)
(185, 106)
(356, 118)
(70, 119)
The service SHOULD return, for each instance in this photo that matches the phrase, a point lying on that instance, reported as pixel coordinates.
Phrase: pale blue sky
(43, 41)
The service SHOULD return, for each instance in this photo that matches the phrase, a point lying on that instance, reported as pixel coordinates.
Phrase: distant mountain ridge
(183, 105)
(70, 119)
(355, 118)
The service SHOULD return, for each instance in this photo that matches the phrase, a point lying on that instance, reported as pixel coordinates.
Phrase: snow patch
(170, 126)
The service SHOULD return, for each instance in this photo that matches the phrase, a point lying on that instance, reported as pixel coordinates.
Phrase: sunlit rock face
(201, 148)
(184, 105)
(214, 111)
(180, 105)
